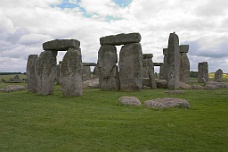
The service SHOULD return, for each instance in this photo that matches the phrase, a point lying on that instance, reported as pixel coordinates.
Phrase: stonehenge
(128, 76)
(184, 64)
(203, 72)
(173, 62)
(44, 70)
(218, 75)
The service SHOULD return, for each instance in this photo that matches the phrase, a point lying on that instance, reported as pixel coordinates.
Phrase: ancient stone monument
(130, 62)
(218, 75)
(72, 73)
(203, 72)
(161, 69)
(31, 73)
(108, 70)
(68, 73)
(87, 75)
(165, 53)
(148, 71)
(173, 62)
(184, 64)
(46, 72)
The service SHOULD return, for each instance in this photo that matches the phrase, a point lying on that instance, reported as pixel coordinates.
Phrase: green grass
(97, 122)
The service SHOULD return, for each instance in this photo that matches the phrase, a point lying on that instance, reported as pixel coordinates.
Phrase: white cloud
(25, 25)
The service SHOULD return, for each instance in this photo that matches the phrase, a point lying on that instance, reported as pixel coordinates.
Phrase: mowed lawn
(97, 122)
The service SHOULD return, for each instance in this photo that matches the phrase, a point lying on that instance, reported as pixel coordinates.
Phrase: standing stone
(161, 72)
(46, 71)
(86, 73)
(203, 72)
(218, 75)
(184, 64)
(131, 67)
(165, 61)
(58, 78)
(108, 70)
(173, 62)
(31, 73)
(148, 71)
(72, 73)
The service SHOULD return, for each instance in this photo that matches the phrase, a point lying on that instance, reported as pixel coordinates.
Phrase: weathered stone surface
(59, 75)
(148, 71)
(218, 75)
(130, 65)
(12, 88)
(129, 100)
(163, 103)
(203, 72)
(108, 70)
(121, 39)
(72, 73)
(161, 83)
(86, 73)
(93, 83)
(185, 86)
(184, 48)
(158, 64)
(218, 84)
(165, 61)
(162, 72)
(198, 87)
(89, 64)
(31, 73)
(46, 71)
(147, 56)
(210, 87)
(173, 62)
(184, 68)
(61, 44)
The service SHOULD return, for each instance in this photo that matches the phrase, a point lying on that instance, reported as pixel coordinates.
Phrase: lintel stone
(184, 48)
(158, 64)
(89, 64)
(61, 44)
(147, 56)
(121, 39)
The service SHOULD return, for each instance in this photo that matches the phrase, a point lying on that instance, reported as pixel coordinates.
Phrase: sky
(26, 24)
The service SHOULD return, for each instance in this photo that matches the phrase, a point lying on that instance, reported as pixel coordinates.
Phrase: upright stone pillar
(31, 73)
(184, 64)
(218, 75)
(46, 72)
(203, 72)
(130, 65)
(72, 73)
(165, 74)
(108, 70)
(86, 73)
(173, 60)
(59, 75)
(148, 71)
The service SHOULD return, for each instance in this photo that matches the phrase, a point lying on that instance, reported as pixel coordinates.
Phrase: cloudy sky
(26, 24)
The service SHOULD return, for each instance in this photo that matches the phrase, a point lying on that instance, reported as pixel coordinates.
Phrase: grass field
(97, 122)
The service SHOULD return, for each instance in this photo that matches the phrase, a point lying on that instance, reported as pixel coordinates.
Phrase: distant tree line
(8, 73)
(193, 74)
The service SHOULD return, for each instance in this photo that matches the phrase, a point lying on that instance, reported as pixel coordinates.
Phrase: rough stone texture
(11, 88)
(130, 65)
(93, 83)
(108, 70)
(203, 72)
(59, 75)
(218, 84)
(148, 71)
(163, 103)
(89, 64)
(198, 87)
(162, 72)
(161, 83)
(173, 62)
(61, 44)
(72, 73)
(165, 61)
(46, 71)
(86, 73)
(184, 48)
(210, 87)
(185, 86)
(31, 73)
(121, 39)
(184, 68)
(129, 100)
(218, 75)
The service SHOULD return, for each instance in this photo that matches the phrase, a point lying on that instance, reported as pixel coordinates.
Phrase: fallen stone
(164, 103)
(161, 83)
(61, 44)
(129, 100)
(11, 88)
(93, 83)
(210, 87)
(185, 86)
(194, 86)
